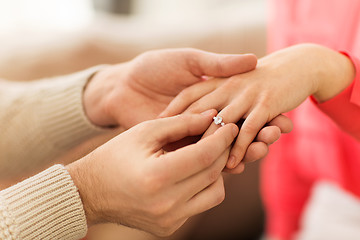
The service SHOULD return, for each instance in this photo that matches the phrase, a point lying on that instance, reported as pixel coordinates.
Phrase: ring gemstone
(218, 120)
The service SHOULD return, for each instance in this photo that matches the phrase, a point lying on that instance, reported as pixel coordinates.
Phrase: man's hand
(130, 180)
(130, 93)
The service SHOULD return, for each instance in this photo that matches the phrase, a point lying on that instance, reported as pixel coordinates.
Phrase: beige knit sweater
(38, 121)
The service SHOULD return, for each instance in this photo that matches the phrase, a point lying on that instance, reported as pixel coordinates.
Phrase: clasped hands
(143, 88)
(131, 180)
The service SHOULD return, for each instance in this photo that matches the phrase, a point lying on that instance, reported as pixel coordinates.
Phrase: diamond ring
(218, 120)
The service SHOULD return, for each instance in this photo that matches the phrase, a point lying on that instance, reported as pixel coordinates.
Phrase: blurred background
(42, 38)
(98, 31)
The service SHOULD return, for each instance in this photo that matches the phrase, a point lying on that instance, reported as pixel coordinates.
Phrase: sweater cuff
(45, 206)
(62, 113)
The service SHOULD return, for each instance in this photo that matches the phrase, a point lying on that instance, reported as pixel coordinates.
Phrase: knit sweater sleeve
(45, 206)
(41, 119)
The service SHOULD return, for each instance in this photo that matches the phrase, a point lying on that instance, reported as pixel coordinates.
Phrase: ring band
(218, 120)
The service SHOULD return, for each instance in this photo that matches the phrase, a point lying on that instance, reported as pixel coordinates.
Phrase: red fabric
(344, 109)
(323, 144)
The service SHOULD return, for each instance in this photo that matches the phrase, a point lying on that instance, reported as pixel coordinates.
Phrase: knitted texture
(45, 206)
(41, 120)
(7, 223)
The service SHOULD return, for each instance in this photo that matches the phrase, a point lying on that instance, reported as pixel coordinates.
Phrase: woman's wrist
(337, 73)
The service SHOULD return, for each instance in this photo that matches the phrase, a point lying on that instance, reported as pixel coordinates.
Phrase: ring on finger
(218, 120)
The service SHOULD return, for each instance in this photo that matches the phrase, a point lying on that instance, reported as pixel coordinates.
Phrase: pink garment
(317, 149)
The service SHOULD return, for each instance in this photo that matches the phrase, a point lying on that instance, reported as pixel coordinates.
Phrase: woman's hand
(130, 180)
(281, 82)
(130, 93)
(127, 94)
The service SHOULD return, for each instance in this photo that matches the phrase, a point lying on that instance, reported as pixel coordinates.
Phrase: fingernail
(235, 131)
(207, 113)
(204, 78)
(231, 162)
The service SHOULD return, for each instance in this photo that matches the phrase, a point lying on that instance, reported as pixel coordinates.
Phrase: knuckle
(151, 184)
(192, 57)
(239, 150)
(265, 102)
(250, 128)
(219, 67)
(214, 175)
(195, 108)
(270, 134)
(186, 119)
(233, 82)
(143, 128)
(157, 210)
(205, 159)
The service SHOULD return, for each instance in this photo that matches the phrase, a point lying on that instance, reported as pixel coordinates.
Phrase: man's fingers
(206, 199)
(181, 143)
(237, 170)
(259, 149)
(256, 151)
(213, 127)
(221, 65)
(269, 135)
(284, 123)
(194, 158)
(160, 132)
(198, 182)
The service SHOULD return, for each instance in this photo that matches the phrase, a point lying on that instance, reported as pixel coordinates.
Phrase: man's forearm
(45, 206)
(43, 120)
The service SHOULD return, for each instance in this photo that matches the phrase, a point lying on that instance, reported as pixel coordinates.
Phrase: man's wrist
(45, 203)
(95, 96)
(79, 174)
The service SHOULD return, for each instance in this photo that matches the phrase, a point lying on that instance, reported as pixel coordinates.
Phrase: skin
(129, 93)
(131, 180)
(280, 83)
(147, 188)
(151, 81)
